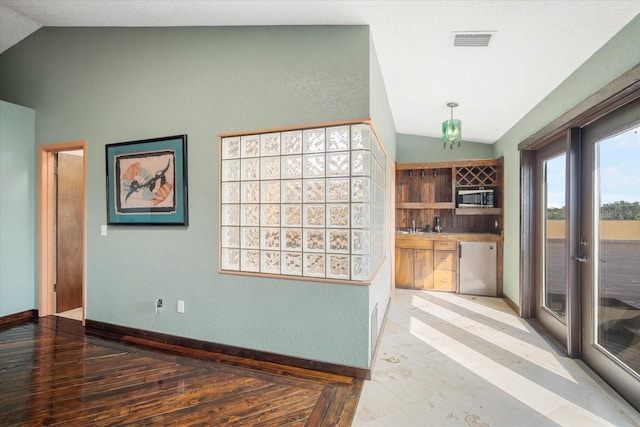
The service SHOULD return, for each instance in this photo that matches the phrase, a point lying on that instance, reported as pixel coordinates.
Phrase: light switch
(103, 230)
(180, 306)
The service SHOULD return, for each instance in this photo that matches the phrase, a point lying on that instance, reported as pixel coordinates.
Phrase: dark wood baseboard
(214, 351)
(18, 318)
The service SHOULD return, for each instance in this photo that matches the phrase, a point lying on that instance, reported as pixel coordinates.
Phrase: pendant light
(451, 129)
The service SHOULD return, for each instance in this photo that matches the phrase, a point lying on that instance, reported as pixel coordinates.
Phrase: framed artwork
(147, 182)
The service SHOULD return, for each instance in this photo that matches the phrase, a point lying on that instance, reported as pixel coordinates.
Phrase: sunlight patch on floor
(529, 352)
(507, 318)
(528, 392)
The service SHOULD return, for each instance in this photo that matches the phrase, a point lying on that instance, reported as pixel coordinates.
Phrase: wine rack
(477, 176)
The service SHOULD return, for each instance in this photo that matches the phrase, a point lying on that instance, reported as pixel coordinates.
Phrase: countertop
(458, 237)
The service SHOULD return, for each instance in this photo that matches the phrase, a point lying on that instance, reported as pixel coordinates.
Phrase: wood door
(404, 268)
(423, 269)
(69, 256)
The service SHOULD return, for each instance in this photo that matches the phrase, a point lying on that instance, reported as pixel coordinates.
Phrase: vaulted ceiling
(534, 45)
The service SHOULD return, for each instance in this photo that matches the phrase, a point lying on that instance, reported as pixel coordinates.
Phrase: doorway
(62, 230)
(585, 219)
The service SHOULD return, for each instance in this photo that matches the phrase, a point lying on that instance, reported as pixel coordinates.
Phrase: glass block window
(303, 202)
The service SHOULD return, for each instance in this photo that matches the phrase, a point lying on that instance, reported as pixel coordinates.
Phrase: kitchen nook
(449, 223)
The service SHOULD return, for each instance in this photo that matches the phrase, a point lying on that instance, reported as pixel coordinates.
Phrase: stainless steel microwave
(479, 198)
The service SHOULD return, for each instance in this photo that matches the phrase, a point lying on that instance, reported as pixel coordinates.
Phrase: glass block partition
(303, 202)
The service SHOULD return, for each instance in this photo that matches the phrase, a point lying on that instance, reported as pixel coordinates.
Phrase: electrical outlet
(158, 304)
(180, 306)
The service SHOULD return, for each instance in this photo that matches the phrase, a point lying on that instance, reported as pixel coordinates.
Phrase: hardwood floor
(52, 374)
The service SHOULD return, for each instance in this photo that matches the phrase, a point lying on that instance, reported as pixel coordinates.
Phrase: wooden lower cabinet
(445, 260)
(427, 264)
(445, 280)
(414, 268)
(404, 268)
(414, 263)
(422, 269)
(445, 266)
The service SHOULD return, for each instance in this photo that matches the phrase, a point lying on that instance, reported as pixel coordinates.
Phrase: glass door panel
(617, 249)
(553, 286)
(550, 236)
(610, 267)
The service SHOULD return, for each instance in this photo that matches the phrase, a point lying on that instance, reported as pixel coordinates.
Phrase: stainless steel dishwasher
(478, 268)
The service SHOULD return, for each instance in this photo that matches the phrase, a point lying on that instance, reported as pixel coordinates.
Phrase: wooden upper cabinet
(488, 174)
(424, 188)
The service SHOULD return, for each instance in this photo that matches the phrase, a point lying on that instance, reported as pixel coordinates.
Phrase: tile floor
(456, 360)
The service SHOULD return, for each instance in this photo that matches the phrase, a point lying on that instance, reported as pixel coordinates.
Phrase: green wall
(110, 85)
(417, 149)
(17, 209)
(380, 289)
(617, 56)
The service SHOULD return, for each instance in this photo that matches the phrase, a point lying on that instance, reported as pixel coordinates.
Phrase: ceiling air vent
(471, 39)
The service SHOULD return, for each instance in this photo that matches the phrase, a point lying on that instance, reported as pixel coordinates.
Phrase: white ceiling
(536, 45)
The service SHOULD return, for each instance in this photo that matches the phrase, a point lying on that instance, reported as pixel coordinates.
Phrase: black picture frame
(147, 182)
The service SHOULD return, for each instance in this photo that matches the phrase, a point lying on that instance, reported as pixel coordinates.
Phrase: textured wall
(17, 209)
(380, 289)
(414, 149)
(110, 85)
(617, 56)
